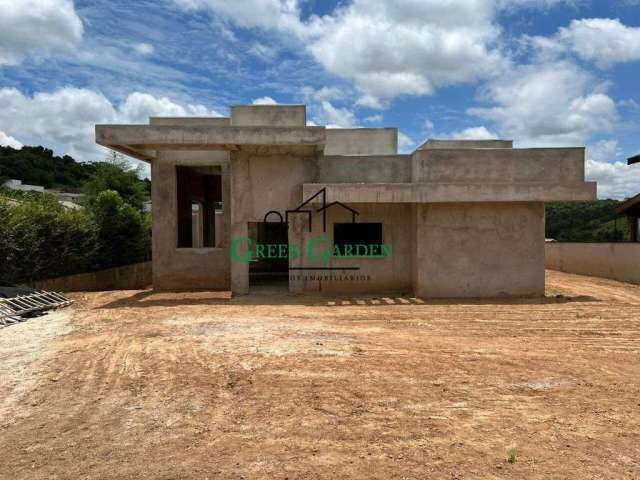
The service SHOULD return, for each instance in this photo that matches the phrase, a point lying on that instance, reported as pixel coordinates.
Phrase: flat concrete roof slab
(152, 137)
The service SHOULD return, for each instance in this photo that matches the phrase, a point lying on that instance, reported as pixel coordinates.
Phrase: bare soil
(135, 384)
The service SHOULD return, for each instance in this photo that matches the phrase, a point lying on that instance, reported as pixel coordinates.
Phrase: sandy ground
(193, 386)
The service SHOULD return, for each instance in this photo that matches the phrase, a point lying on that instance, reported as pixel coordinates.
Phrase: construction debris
(21, 307)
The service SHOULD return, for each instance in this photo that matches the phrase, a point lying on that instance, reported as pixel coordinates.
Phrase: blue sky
(541, 72)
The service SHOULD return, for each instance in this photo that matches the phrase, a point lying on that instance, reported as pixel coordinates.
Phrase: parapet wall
(499, 165)
(617, 261)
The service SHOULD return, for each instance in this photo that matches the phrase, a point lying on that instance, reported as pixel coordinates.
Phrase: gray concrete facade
(453, 219)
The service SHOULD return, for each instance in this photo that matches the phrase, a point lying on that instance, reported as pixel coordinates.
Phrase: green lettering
(235, 254)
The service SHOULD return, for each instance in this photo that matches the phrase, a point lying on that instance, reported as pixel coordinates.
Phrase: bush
(39, 238)
(124, 233)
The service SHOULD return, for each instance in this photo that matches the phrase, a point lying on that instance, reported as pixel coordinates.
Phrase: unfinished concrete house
(263, 195)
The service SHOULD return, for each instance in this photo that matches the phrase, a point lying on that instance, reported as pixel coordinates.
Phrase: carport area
(195, 385)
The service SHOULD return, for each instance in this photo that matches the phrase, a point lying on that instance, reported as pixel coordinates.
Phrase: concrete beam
(432, 144)
(453, 192)
(190, 121)
(206, 138)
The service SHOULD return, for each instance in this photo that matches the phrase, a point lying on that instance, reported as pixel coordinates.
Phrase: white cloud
(428, 125)
(268, 14)
(474, 133)
(548, 104)
(377, 118)
(9, 141)
(334, 117)
(615, 178)
(262, 51)
(324, 93)
(37, 26)
(138, 107)
(264, 101)
(390, 48)
(603, 41)
(387, 47)
(143, 48)
(406, 144)
(64, 119)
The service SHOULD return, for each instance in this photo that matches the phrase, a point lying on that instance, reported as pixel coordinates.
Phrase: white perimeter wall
(618, 261)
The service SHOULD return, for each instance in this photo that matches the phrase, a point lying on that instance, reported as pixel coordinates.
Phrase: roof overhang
(630, 205)
(143, 141)
(452, 192)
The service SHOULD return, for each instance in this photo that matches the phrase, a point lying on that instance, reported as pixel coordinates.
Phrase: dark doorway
(266, 269)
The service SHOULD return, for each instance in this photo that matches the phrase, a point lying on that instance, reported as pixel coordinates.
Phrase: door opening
(268, 266)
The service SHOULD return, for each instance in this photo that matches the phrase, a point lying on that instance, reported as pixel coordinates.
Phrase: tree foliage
(586, 222)
(118, 175)
(124, 233)
(39, 238)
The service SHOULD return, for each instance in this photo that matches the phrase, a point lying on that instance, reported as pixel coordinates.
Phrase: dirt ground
(135, 384)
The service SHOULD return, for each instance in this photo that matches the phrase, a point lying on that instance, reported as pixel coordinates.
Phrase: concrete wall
(129, 277)
(361, 141)
(479, 250)
(547, 165)
(366, 169)
(185, 268)
(269, 115)
(618, 261)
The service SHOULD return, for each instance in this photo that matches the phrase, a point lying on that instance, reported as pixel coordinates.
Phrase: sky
(539, 72)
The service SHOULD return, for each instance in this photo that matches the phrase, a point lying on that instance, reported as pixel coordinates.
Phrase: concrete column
(240, 207)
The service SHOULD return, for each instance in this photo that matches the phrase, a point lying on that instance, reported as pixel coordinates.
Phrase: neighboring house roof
(633, 160)
(631, 206)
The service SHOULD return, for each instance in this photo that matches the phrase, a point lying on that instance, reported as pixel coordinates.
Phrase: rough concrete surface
(198, 385)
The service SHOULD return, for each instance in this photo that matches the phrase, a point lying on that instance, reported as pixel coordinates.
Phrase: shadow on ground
(267, 296)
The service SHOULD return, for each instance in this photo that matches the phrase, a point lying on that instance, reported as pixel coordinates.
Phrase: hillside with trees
(586, 222)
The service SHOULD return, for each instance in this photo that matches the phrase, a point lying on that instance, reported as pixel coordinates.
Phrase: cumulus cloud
(387, 47)
(264, 101)
(390, 48)
(334, 117)
(324, 93)
(553, 103)
(37, 26)
(474, 133)
(65, 119)
(268, 14)
(602, 41)
(615, 178)
(9, 141)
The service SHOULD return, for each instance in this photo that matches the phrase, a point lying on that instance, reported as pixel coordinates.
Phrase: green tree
(116, 174)
(42, 239)
(124, 233)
